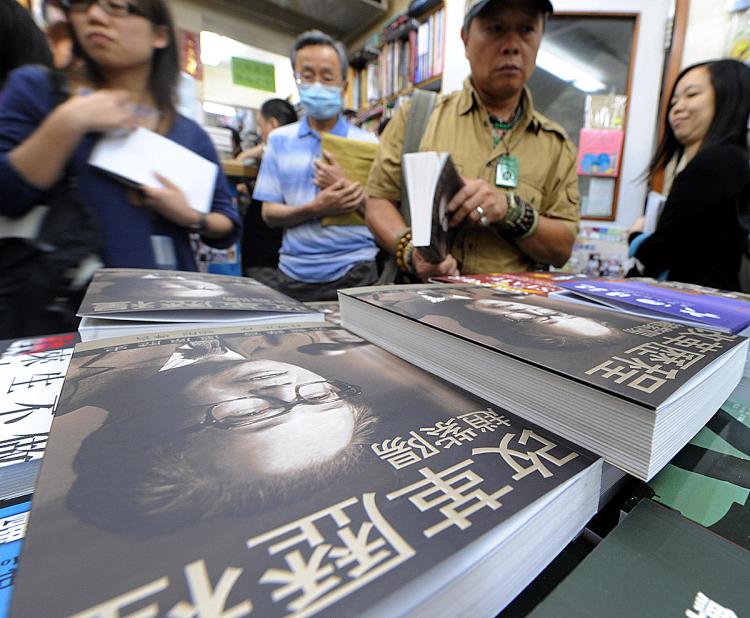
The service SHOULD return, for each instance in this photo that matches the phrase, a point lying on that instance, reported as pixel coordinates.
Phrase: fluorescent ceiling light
(568, 72)
(219, 109)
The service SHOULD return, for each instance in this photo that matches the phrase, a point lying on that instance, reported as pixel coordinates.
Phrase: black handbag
(47, 258)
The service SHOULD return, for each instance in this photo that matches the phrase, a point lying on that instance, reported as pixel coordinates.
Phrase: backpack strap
(422, 104)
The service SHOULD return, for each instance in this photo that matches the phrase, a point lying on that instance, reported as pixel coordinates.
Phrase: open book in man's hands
(431, 182)
(135, 157)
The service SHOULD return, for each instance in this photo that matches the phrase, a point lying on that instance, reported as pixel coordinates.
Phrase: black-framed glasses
(233, 413)
(115, 8)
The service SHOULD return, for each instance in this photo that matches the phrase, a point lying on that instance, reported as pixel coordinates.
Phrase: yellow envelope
(355, 157)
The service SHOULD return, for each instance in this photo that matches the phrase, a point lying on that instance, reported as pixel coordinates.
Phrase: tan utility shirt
(460, 125)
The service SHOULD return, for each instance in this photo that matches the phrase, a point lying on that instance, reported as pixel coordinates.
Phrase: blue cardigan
(26, 100)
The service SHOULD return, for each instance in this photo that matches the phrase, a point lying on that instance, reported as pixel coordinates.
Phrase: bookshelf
(407, 53)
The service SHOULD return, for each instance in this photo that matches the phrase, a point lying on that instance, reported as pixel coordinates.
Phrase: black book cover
(431, 182)
(276, 471)
(655, 563)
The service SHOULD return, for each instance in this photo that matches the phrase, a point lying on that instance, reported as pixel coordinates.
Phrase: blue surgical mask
(319, 101)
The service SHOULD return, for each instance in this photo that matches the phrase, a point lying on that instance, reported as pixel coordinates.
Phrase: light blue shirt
(310, 252)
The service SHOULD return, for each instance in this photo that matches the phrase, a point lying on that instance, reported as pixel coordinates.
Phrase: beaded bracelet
(521, 219)
(403, 241)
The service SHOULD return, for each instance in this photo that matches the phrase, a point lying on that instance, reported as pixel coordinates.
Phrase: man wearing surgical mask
(300, 185)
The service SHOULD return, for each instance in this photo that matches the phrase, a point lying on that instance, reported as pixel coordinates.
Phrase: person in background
(698, 238)
(21, 40)
(299, 186)
(129, 77)
(520, 203)
(261, 243)
(61, 43)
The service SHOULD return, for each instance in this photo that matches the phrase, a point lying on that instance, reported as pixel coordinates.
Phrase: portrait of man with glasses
(217, 426)
(302, 187)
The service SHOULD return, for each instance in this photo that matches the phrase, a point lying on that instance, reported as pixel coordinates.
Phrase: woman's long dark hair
(21, 40)
(165, 62)
(731, 83)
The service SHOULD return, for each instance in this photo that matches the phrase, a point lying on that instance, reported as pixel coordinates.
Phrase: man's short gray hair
(316, 37)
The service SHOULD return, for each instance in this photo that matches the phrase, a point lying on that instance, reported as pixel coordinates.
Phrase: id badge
(506, 173)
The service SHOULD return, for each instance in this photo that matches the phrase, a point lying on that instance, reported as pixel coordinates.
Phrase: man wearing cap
(520, 203)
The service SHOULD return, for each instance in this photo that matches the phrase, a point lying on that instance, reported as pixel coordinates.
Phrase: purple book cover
(691, 306)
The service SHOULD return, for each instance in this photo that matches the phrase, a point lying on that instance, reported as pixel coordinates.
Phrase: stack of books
(632, 390)
(429, 457)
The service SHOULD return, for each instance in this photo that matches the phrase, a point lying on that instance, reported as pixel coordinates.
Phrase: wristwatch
(199, 226)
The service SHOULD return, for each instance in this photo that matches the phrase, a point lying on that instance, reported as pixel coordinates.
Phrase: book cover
(249, 470)
(14, 516)
(689, 306)
(600, 152)
(431, 182)
(708, 481)
(355, 157)
(542, 284)
(177, 296)
(620, 385)
(31, 378)
(655, 563)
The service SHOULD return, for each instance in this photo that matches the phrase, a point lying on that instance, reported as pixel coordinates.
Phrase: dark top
(27, 99)
(697, 238)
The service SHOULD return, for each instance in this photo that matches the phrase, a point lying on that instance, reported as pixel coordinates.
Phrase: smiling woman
(698, 238)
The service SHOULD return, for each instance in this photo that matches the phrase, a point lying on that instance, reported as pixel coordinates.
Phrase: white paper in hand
(136, 156)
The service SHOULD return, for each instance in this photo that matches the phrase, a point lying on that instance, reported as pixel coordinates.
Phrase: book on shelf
(431, 182)
(122, 301)
(31, 378)
(655, 563)
(14, 516)
(693, 305)
(408, 52)
(247, 468)
(708, 481)
(355, 158)
(631, 390)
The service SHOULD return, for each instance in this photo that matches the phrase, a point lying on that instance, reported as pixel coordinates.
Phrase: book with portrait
(431, 181)
(708, 481)
(688, 304)
(630, 389)
(31, 378)
(288, 470)
(122, 301)
(655, 563)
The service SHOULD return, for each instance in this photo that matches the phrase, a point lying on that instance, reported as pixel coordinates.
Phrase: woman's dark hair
(21, 40)
(280, 109)
(165, 62)
(730, 80)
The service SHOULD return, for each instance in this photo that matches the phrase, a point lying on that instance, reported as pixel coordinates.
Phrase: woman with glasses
(129, 76)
